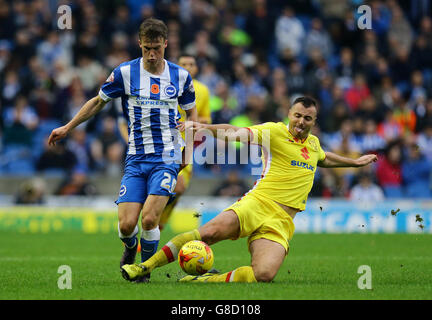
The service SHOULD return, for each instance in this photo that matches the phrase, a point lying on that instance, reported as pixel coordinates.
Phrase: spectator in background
(259, 24)
(400, 33)
(389, 171)
(389, 129)
(232, 186)
(245, 87)
(403, 115)
(79, 143)
(366, 190)
(296, 80)
(381, 18)
(90, 72)
(416, 173)
(10, 88)
(358, 91)
(345, 175)
(223, 104)
(210, 77)
(107, 149)
(346, 69)
(345, 133)
(421, 53)
(289, 33)
(339, 113)
(418, 91)
(424, 118)
(318, 39)
(20, 121)
(31, 192)
(76, 184)
(50, 50)
(401, 67)
(371, 141)
(202, 48)
(5, 53)
(369, 109)
(56, 158)
(424, 141)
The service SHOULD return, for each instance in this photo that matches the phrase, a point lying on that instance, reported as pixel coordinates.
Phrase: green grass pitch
(319, 266)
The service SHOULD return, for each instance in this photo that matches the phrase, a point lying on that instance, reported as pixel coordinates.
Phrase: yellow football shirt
(289, 165)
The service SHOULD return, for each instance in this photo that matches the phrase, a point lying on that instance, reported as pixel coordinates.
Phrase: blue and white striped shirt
(149, 104)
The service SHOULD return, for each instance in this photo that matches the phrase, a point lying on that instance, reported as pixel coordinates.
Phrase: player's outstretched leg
(167, 254)
(267, 257)
(242, 274)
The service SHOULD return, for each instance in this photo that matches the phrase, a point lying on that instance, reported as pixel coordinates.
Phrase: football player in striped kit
(150, 89)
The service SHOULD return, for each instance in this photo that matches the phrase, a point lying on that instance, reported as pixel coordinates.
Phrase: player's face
(301, 120)
(153, 51)
(189, 64)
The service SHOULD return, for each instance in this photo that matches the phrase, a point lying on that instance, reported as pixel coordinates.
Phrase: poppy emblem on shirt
(170, 90)
(305, 153)
(154, 88)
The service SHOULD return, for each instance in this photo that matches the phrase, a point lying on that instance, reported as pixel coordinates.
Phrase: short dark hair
(153, 29)
(306, 101)
(186, 55)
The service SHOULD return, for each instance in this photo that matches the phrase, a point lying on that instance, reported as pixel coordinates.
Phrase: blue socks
(149, 243)
(130, 241)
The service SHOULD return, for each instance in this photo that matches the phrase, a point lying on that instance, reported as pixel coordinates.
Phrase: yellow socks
(242, 274)
(169, 252)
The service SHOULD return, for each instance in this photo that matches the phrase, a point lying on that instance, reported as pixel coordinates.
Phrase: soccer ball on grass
(196, 257)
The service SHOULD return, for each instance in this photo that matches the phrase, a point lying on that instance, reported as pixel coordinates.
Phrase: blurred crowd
(373, 86)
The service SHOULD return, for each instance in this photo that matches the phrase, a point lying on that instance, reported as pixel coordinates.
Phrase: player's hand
(188, 125)
(181, 126)
(366, 159)
(57, 134)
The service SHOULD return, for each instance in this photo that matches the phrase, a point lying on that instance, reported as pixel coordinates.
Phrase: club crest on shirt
(313, 145)
(170, 90)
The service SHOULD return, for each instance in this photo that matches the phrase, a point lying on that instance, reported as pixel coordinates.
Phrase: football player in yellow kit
(265, 214)
(202, 102)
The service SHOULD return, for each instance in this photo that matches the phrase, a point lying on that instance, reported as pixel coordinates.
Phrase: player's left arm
(192, 114)
(333, 160)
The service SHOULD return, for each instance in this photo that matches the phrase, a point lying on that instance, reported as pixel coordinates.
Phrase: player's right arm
(88, 110)
(223, 131)
(112, 88)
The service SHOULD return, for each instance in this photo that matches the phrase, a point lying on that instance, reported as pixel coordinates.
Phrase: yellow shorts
(263, 218)
(186, 173)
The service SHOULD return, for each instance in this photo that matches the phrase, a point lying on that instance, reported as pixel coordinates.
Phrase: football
(196, 257)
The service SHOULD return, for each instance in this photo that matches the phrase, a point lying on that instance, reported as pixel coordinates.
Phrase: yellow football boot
(132, 272)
